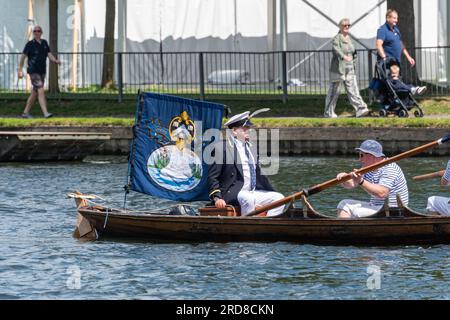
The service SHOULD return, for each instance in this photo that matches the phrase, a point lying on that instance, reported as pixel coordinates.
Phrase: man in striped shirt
(385, 182)
(437, 204)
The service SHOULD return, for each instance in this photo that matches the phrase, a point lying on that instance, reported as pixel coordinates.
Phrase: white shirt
(240, 145)
(447, 172)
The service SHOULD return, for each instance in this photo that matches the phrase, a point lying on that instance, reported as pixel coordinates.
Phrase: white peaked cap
(239, 120)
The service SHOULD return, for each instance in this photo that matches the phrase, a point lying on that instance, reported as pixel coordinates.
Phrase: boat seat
(408, 212)
(400, 211)
(228, 211)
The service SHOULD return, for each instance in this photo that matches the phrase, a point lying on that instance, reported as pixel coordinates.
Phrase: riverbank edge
(292, 140)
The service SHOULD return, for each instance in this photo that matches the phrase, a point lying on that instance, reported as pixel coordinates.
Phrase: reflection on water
(39, 258)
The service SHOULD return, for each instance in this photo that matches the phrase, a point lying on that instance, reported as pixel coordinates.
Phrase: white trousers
(358, 209)
(249, 199)
(439, 204)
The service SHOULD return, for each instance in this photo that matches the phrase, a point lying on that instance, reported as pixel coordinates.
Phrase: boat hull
(379, 231)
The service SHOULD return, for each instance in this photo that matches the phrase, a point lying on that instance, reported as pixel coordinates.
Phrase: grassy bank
(259, 122)
(297, 112)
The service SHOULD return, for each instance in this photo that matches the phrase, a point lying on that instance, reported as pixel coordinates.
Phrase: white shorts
(439, 205)
(249, 199)
(358, 209)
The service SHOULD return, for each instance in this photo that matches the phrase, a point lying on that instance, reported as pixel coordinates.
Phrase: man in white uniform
(237, 180)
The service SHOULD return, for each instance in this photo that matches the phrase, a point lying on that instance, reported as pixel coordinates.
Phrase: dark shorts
(37, 80)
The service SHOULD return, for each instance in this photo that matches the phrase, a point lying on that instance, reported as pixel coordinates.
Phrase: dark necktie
(251, 165)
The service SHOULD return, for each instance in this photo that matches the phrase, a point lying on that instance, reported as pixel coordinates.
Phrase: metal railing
(202, 74)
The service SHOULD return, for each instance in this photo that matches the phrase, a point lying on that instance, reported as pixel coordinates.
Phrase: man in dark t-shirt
(37, 51)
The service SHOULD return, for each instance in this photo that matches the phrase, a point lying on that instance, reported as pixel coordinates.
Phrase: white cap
(239, 120)
(373, 147)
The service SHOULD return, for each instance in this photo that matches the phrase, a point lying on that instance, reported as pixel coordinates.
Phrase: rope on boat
(106, 218)
(86, 197)
(140, 102)
(89, 198)
(286, 208)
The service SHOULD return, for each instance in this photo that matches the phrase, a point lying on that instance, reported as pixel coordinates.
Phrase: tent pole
(75, 44)
(271, 37)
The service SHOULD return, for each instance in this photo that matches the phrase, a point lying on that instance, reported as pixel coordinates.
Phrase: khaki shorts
(37, 80)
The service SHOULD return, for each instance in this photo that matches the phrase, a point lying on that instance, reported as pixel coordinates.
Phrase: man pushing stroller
(394, 95)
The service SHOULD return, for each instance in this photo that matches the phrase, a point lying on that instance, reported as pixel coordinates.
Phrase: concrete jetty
(292, 141)
(48, 145)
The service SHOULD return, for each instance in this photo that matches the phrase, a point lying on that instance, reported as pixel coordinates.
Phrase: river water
(39, 259)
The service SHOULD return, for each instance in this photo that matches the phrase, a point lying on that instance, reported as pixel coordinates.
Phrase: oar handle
(330, 183)
(432, 175)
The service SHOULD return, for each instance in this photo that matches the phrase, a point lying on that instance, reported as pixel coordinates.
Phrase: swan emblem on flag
(175, 166)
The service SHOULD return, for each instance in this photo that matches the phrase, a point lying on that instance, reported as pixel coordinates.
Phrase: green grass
(352, 122)
(259, 122)
(437, 106)
(75, 122)
(296, 112)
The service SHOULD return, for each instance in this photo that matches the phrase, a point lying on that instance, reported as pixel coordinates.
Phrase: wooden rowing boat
(389, 226)
(157, 154)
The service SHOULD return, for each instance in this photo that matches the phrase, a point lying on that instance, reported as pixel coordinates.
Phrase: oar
(330, 183)
(432, 175)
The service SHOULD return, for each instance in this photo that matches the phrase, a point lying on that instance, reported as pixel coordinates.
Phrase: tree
(108, 45)
(53, 83)
(406, 24)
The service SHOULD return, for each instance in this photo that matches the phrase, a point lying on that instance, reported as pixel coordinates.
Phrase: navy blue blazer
(225, 181)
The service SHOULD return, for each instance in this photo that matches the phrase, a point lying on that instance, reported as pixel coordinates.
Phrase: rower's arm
(214, 173)
(445, 181)
(376, 190)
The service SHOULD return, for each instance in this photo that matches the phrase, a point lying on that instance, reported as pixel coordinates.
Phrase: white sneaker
(362, 112)
(48, 115)
(333, 115)
(421, 90)
(26, 116)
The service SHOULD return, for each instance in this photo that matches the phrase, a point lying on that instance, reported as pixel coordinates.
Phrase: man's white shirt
(240, 145)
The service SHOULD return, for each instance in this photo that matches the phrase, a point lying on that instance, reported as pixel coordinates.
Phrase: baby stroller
(392, 102)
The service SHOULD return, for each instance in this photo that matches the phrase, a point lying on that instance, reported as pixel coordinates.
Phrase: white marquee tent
(217, 25)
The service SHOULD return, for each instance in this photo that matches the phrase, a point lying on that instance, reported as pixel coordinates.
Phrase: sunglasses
(38, 31)
(346, 25)
(361, 154)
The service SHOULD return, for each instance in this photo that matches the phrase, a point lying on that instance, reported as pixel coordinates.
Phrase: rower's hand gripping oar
(330, 183)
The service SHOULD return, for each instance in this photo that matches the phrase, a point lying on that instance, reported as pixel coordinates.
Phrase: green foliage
(162, 160)
(196, 170)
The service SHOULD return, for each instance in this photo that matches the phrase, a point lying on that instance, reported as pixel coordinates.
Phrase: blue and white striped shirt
(390, 176)
(447, 172)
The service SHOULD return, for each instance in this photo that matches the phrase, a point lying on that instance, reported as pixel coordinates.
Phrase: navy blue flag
(168, 129)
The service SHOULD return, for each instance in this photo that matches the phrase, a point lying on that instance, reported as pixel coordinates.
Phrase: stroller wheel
(402, 113)
(418, 113)
(383, 113)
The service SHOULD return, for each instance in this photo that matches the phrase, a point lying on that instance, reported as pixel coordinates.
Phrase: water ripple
(39, 259)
